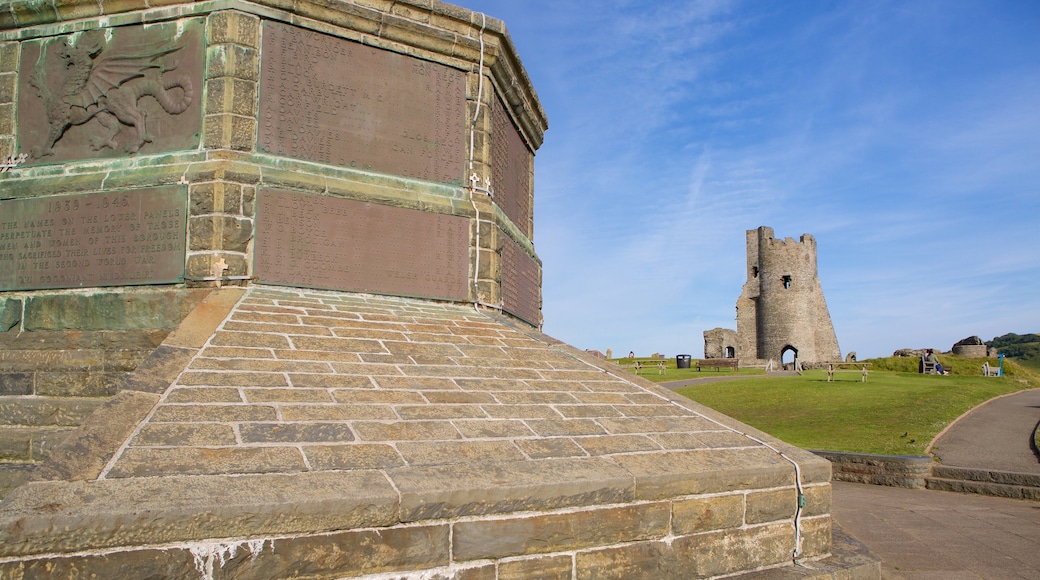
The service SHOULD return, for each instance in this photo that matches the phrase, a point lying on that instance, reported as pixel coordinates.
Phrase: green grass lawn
(849, 415)
(673, 374)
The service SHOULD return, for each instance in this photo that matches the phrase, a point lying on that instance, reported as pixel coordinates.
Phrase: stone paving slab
(330, 412)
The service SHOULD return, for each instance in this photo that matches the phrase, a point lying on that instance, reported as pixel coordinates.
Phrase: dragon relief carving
(106, 85)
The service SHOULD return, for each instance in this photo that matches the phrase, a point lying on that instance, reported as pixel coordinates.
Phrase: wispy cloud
(903, 136)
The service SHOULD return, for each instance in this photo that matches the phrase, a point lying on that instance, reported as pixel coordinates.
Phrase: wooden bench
(847, 367)
(928, 368)
(718, 363)
(988, 371)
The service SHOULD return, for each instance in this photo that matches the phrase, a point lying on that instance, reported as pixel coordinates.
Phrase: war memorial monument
(270, 307)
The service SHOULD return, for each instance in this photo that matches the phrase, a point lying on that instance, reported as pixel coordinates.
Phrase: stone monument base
(291, 433)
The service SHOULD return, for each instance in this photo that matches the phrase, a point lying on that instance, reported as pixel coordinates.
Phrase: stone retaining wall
(892, 470)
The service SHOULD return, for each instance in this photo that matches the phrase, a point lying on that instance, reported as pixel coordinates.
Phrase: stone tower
(781, 307)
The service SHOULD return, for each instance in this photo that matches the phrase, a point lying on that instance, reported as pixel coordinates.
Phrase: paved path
(931, 535)
(935, 535)
(996, 435)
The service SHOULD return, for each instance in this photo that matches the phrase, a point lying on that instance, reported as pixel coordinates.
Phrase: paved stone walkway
(935, 535)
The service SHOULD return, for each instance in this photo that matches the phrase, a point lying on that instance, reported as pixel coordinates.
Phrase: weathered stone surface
(697, 515)
(56, 517)
(10, 313)
(356, 456)
(503, 538)
(695, 472)
(770, 506)
(16, 383)
(546, 568)
(458, 490)
(46, 411)
(698, 556)
(134, 310)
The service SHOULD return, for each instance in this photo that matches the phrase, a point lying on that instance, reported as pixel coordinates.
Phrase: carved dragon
(108, 87)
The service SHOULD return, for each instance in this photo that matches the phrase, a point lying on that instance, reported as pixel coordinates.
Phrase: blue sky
(904, 135)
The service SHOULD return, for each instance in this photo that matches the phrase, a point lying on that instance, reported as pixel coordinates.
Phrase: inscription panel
(340, 102)
(511, 164)
(317, 241)
(521, 288)
(111, 92)
(96, 239)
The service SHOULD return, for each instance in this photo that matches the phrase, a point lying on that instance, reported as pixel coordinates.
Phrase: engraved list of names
(336, 101)
(97, 239)
(318, 241)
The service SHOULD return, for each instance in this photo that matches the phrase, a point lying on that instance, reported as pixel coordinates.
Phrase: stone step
(23, 360)
(35, 411)
(984, 488)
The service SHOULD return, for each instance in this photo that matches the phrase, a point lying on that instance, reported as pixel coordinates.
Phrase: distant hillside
(1024, 348)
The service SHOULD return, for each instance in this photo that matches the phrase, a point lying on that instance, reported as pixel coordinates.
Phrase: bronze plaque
(521, 288)
(95, 239)
(111, 92)
(317, 241)
(336, 101)
(511, 166)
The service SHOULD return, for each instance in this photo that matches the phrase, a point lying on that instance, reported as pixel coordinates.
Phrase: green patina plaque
(96, 239)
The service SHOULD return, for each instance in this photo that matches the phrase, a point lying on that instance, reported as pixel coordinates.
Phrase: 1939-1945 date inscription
(99, 239)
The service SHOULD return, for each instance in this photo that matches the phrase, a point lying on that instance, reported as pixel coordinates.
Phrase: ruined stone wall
(718, 340)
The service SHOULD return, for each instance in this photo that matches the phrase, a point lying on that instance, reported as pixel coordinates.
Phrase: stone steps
(985, 482)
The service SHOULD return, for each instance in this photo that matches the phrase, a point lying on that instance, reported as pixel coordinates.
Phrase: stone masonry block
(39, 411)
(78, 383)
(693, 516)
(346, 554)
(490, 488)
(213, 413)
(503, 538)
(9, 56)
(709, 471)
(184, 435)
(243, 132)
(228, 60)
(547, 568)
(697, 556)
(770, 506)
(152, 462)
(216, 197)
(126, 564)
(218, 232)
(454, 452)
(295, 433)
(156, 511)
(351, 457)
(7, 82)
(233, 27)
(16, 383)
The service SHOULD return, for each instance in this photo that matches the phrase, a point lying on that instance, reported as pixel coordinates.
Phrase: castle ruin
(781, 309)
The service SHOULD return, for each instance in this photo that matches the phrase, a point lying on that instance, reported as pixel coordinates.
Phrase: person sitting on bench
(930, 357)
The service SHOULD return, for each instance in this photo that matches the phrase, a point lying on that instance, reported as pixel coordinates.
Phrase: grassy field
(897, 412)
(673, 374)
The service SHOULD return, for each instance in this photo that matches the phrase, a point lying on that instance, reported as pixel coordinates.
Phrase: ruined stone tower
(781, 308)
